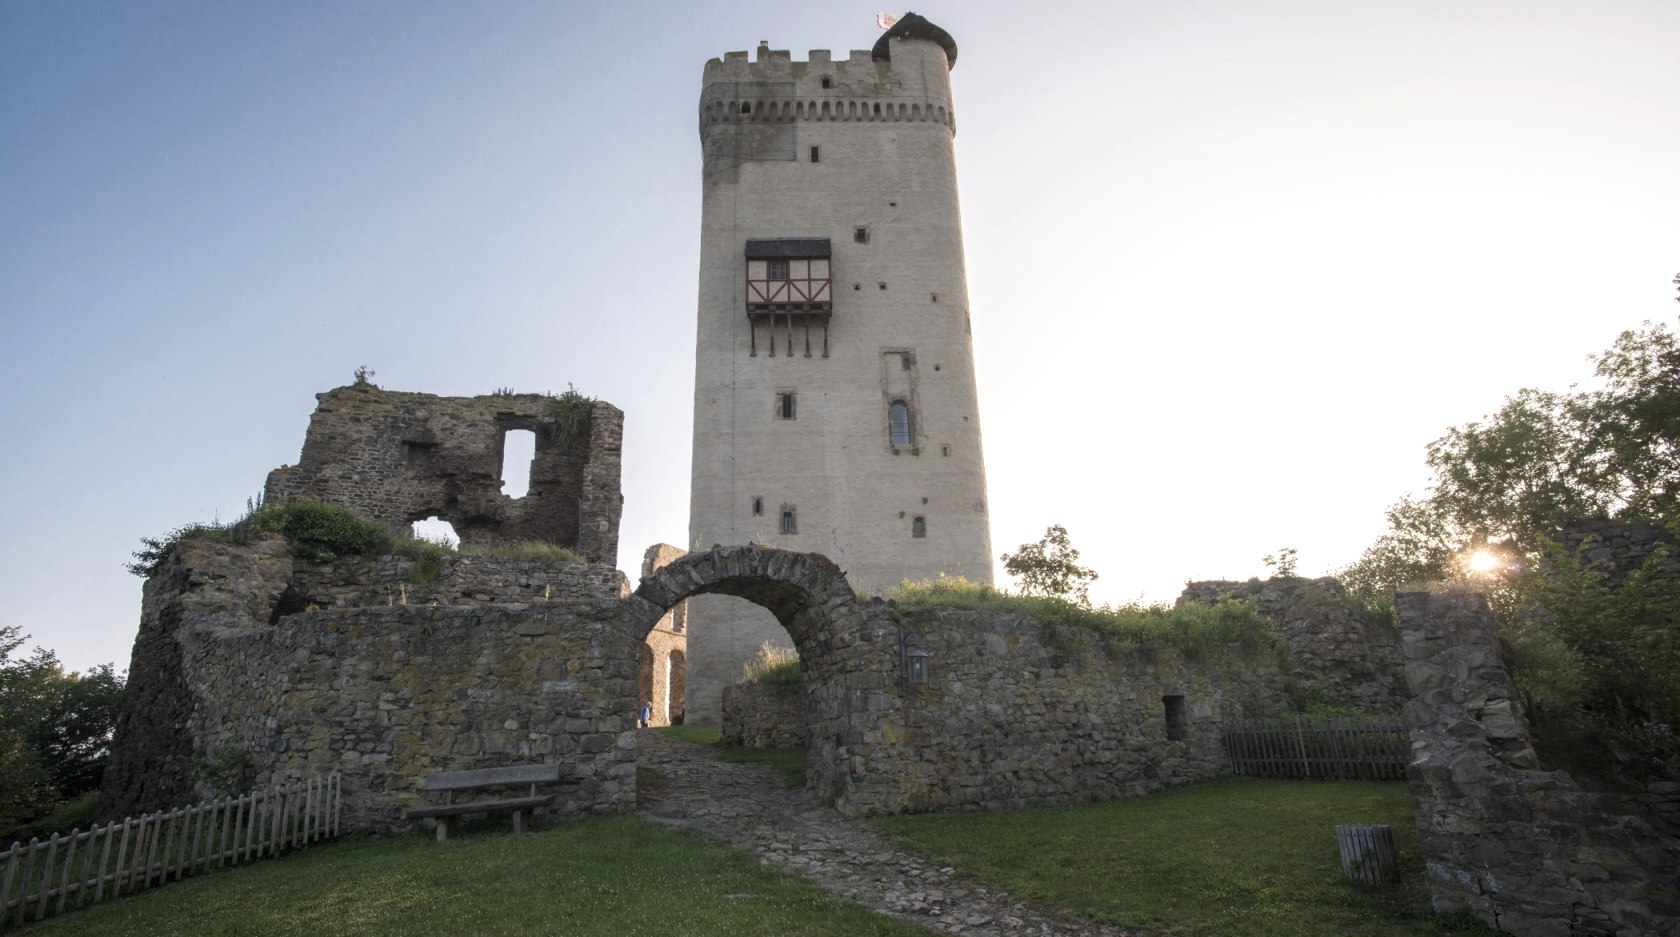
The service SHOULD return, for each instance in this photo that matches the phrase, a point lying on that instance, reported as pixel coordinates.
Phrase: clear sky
(1232, 264)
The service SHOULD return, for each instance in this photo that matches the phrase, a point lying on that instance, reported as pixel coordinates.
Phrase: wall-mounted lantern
(916, 666)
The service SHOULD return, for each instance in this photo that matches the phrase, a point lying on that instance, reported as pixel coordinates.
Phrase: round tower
(835, 408)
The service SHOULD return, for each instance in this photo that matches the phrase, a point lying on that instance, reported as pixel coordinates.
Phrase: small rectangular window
(1178, 726)
(816, 155)
(918, 526)
(827, 82)
(787, 405)
(790, 524)
(758, 506)
(860, 235)
(778, 268)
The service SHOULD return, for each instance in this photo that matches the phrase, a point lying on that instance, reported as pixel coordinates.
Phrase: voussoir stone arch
(806, 592)
(838, 638)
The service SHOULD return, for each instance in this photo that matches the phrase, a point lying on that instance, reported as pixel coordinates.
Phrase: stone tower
(834, 406)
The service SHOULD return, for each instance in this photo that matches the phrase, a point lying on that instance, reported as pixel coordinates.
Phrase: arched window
(898, 423)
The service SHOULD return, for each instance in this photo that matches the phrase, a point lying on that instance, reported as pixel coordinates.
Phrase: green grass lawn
(789, 761)
(606, 876)
(1237, 856)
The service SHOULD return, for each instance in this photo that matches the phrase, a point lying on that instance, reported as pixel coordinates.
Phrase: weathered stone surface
(384, 693)
(1009, 716)
(1333, 651)
(1526, 851)
(758, 716)
(401, 457)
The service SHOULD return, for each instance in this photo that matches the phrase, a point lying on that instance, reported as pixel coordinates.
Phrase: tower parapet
(905, 78)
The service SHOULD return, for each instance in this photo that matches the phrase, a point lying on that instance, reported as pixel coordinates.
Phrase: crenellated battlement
(759, 110)
(773, 88)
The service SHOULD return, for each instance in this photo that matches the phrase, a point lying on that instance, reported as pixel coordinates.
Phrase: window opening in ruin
(787, 405)
(918, 526)
(816, 154)
(436, 530)
(1178, 726)
(860, 235)
(827, 82)
(519, 447)
(898, 423)
(746, 107)
(758, 506)
(778, 268)
(790, 524)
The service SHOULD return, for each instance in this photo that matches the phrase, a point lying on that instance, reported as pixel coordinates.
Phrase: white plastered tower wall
(858, 152)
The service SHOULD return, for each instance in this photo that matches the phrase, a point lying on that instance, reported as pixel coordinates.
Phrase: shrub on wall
(1192, 627)
(773, 666)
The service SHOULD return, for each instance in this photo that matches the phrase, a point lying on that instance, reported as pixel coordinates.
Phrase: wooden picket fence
(1347, 748)
(75, 869)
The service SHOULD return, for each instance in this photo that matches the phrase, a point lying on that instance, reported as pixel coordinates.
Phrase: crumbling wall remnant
(1527, 851)
(1335, 651)
(398, 457)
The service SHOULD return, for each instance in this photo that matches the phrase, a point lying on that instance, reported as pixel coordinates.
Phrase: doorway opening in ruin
(519, 447)
(811, 606)
(437, 530)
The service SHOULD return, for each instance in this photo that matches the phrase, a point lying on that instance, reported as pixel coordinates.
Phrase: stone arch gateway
(846, 646)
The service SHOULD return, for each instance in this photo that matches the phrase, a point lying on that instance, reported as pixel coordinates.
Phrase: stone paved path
(748, 806)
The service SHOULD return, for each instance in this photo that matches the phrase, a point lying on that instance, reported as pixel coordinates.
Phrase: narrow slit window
(898, 423)
(787, 405)
(918, 526)
(816, 154)
(758, 507)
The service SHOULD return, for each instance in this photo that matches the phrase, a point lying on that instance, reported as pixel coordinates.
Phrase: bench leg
(443, 827)
(519, 823)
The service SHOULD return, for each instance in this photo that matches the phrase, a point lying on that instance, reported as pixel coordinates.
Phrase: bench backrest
(491, 777)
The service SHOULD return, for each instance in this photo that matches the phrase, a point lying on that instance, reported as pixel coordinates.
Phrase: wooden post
(1367, 853)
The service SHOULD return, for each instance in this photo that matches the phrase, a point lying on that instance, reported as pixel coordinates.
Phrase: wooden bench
(481, 778)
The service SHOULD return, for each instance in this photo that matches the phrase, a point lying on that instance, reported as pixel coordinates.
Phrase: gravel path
(748, 806)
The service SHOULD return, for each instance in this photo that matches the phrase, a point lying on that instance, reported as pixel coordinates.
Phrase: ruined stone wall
(662, 679)
(1010, 719)
(762, 716)
(460, 579)
(1527, 851)
(1335, 653)
(384, 694)
(401, 457)
(1617, 548)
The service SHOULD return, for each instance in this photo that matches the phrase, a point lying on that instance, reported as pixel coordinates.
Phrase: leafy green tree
(1051, 568)
(1509, 482)
(55, 729)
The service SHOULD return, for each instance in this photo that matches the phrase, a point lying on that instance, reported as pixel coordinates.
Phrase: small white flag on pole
(885, 20)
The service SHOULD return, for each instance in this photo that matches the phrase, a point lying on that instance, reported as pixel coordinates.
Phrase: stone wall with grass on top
(1339, 653)
(764, 715)
(1014, 714)
(451, 579)
(1527, 851)
(383, 692)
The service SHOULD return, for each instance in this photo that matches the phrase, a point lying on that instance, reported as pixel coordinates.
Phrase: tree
(1050, 568)
(55, 729)
(1511, 481)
